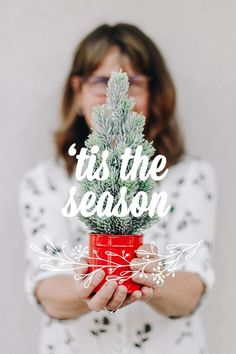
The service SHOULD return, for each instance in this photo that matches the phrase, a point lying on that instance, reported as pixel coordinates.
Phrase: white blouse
(137, 328)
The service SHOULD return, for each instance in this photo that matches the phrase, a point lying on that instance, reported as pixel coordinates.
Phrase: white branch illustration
(78, 259)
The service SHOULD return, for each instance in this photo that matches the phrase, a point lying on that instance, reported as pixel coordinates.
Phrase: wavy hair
(161, 125)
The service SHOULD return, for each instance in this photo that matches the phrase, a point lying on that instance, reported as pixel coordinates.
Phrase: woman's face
(86, 98)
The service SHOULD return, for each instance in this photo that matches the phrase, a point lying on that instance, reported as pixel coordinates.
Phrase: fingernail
(122, 290)
(135, 276)
(132, 264)
(144, 293)
(100, 274)
(110, 284)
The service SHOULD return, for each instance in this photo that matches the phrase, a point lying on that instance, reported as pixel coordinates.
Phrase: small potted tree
(113, 240)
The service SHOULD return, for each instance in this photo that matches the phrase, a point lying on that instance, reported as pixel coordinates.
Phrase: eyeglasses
(138, 84)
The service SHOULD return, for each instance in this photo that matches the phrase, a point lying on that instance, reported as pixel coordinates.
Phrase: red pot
(123, 246)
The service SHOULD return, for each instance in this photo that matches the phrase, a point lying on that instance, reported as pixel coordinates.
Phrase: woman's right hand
(110, 295)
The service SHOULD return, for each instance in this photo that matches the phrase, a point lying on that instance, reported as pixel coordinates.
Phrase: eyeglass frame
(85, 79)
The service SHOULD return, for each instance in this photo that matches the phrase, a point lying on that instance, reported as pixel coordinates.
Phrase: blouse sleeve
(194, 218)
(39, 206)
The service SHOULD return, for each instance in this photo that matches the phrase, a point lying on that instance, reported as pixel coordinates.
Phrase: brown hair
(161, 125)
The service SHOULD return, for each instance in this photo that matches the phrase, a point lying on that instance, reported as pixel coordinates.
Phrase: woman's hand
(178, 297)
(63, 297)
(110, 295)
(137, 264)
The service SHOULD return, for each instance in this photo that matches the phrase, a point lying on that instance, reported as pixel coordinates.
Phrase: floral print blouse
(138, 328)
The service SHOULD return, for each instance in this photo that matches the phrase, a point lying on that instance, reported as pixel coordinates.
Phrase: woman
(152, 320)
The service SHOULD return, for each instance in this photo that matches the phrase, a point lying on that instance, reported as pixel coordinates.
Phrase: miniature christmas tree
(115, 127)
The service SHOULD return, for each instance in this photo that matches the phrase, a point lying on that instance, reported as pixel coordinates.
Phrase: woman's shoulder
(190, 164)
(192, 170)
(45, 167)
(47, 174)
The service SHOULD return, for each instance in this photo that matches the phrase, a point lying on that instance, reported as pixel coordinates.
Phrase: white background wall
(37, 38)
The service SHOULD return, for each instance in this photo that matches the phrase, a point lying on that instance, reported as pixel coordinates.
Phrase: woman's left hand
(146, 265)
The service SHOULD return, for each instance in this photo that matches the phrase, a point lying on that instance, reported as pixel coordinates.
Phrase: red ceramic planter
(120, 245)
